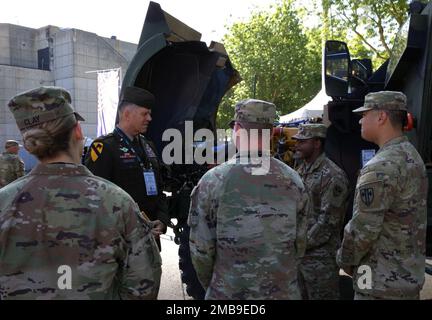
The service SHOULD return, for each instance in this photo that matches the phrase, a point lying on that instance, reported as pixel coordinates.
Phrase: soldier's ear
(77, 132)
(127, 112)
(382, 117)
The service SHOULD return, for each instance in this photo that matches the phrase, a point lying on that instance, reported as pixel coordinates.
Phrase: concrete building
(54, 56)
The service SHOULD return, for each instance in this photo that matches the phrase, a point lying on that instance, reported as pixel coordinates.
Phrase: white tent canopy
(312, 109)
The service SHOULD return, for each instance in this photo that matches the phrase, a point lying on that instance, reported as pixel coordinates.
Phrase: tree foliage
(271, 53)
(370, 25)
(278, 51)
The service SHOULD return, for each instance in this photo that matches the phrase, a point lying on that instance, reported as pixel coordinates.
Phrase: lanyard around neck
(125, 139)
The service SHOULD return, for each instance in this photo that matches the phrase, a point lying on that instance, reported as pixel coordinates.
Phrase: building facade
(54, 56)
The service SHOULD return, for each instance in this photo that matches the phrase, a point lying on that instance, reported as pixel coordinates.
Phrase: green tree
(368, 26)
(371, 25)
(278, 51)
(272, 54)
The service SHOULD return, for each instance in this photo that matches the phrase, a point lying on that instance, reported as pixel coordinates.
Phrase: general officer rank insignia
(367, 196)
(96, 150)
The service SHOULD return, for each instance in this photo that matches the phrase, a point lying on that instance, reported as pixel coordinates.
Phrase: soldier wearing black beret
(127, 158)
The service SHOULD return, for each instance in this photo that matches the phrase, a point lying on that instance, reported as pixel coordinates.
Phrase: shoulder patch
(370, 188)
(370, 192)
(370, 197)
(337, 190)
(96, 150)
(367, 195)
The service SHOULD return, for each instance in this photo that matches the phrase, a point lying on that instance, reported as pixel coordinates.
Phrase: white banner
(108, 92)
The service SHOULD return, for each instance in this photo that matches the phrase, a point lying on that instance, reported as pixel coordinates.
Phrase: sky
(124, 19)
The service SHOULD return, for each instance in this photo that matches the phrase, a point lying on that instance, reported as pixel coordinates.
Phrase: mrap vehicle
(347, 81)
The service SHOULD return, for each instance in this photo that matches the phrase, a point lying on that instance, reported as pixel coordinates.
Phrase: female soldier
(65, 233)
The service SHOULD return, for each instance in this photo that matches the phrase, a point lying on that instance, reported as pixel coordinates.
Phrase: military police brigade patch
(96, 150)
(370, 192)
(367, 196)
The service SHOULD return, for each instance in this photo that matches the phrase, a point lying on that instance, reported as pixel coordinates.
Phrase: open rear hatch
(187, 77)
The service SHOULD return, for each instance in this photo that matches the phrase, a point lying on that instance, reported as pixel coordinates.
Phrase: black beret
(138, 96)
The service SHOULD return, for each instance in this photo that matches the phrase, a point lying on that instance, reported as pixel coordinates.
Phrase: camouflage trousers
(321, 278)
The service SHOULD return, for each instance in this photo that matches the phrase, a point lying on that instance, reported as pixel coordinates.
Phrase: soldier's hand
(158, 228)
(349, 270)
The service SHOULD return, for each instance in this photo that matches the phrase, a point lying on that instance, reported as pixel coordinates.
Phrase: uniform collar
(315, 165)
(60, 169)
(393, 142)
(131, 138)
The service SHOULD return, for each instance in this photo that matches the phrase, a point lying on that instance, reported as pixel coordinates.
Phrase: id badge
(150, 183)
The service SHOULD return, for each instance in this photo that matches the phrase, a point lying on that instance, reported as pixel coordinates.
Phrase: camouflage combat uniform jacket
(248, 232)
(11, 168)
(388, 230)
(62, 215)
(329, 189)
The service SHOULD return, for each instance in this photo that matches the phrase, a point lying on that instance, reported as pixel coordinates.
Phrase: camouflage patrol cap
(254, 111)
(384, 100)
(11, 143)
(311, 130)
(43, 104)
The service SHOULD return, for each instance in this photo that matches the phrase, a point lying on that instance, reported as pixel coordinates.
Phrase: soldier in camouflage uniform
(329, 189)
(11, 165)
(248, 228)
(384, 243)
(65, 233)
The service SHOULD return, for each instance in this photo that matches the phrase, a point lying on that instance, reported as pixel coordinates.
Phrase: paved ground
(172, 288)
